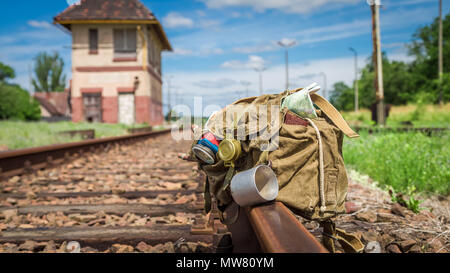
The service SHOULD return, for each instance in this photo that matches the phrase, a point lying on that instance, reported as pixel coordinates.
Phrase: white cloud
(235, 37)
(207, 23)
(181, 52)
(212, 51)
(256, 49)
(288, 6)
(394, 45)
(39, 24)
(253, 62)
(206, 51)
(174, 19)
(220, 83)
(218, 90)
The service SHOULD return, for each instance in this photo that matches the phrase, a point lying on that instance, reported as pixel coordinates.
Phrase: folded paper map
(300, 102)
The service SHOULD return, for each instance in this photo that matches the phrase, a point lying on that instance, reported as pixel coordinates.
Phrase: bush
(16, 103)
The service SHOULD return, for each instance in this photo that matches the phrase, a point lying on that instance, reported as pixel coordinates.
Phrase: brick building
(116, 61)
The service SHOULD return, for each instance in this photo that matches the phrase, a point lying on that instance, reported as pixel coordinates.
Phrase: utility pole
(260, 70)
(441, 60)
(168, 93)
(325, 91)
(175, 92)
(378, 63)
(287, 44)
(246, 84)
(356, 79)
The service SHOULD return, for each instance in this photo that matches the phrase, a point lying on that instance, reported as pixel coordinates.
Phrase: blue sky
(218, 42)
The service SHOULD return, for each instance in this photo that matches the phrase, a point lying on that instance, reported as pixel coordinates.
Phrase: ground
(389, 227)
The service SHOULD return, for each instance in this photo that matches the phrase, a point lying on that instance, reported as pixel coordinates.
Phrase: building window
(154, 53)
(125, 43)
(93, 41)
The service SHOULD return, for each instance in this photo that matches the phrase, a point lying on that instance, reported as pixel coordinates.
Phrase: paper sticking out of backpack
(300, 102)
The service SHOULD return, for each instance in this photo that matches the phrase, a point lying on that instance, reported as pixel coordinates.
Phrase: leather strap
(228, 221)
(207, 196)
(349, 242)
(228, 178)
(333, 114)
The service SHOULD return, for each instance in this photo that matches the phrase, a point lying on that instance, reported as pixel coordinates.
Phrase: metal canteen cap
(229, 150)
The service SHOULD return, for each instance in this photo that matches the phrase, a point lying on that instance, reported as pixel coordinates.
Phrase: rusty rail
(271, 228)
(25, 160)
(279, 231)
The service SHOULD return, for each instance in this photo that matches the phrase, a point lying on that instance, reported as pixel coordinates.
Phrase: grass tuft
(402, 160)
(20, 134)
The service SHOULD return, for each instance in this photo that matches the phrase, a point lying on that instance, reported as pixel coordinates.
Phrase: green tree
(398, 83)
(6, 72)
(424, 48)
(49, 73)
(406, 82)
(343, 97)
(16, 103)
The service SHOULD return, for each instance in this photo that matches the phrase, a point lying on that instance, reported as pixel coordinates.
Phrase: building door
(126, 109)
(92, 107)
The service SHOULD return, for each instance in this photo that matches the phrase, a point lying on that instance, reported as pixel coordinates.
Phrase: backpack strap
(207, 196)
(333, 114)
(349, 242)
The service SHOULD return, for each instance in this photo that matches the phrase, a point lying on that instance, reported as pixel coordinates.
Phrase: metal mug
(255, 186)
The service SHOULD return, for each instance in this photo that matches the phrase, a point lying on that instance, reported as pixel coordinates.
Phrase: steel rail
(279, 231)
(24, 160)
(270, 228)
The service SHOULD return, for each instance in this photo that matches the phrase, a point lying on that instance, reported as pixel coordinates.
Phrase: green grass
(402, 159)
(18, 135)
(419, 115)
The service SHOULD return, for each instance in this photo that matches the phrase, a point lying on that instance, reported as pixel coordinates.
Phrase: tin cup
(255, 186)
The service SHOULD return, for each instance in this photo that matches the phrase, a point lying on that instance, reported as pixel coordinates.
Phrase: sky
(219, 43)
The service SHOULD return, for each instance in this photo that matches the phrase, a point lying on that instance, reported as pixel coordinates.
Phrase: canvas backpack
(307, 159)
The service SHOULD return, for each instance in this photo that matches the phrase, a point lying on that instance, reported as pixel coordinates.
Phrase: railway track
(120, 198)
(126, 194)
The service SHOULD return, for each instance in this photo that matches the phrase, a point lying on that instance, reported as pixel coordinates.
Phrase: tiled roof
(59, 101)
(48, 106)
(106, 10)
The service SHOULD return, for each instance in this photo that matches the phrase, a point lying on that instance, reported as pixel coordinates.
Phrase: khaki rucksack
(308, 161)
